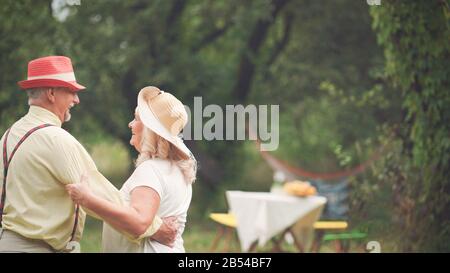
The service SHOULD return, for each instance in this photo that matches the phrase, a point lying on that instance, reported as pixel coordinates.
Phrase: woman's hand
(167, 233)
(80, 192)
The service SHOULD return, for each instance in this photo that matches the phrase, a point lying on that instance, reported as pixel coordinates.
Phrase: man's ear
(50, 95)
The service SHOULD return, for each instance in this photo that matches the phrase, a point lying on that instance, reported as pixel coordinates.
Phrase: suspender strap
(74, 229)
(5, 172)
(7, 162)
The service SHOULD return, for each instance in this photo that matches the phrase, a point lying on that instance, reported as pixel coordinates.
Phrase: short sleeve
(147, 175)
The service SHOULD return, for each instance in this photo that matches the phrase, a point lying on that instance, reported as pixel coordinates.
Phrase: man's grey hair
(35, 93)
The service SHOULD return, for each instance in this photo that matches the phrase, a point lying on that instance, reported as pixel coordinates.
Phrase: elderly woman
(161, 182)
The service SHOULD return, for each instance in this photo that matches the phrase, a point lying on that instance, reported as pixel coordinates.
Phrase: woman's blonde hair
(163, 149)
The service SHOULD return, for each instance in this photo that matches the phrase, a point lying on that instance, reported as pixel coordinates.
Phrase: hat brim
(151, 121)
(73, 86)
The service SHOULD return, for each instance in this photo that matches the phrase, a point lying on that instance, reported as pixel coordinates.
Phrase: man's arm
(72, 161)
(163, 231)
(133, 219)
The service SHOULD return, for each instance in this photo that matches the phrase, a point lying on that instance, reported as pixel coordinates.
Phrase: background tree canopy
(349, 79)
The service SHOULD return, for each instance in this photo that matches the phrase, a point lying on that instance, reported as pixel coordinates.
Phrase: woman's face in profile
(137, 127)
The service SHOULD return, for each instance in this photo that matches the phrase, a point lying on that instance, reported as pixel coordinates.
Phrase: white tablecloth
(262, 215)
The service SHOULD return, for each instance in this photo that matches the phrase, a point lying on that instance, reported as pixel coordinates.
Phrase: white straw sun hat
(164, 114)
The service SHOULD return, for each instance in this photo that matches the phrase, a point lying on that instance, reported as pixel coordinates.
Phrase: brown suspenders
(7, 162)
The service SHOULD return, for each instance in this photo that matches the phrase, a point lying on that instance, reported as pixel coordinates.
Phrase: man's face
(64, 100)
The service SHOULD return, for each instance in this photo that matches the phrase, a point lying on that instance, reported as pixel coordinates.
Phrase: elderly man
(40, 158)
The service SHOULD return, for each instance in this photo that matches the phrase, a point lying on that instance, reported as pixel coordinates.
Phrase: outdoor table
(262, 215)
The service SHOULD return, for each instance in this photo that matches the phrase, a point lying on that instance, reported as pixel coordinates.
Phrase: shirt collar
(44, 115)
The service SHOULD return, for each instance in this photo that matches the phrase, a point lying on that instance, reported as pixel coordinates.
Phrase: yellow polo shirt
(37, 205)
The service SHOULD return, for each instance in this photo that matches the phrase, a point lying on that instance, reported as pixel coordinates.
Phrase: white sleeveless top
(175, 195)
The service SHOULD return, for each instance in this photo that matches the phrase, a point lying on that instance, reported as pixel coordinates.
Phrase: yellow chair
(226, 219)
(330, 225)
(322, 227)
(226, 229)
(227, 223)
(341, 239)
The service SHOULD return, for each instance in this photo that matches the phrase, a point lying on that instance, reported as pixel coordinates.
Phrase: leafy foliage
(415, 36)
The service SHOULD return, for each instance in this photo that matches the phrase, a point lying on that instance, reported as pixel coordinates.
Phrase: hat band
(69, 77)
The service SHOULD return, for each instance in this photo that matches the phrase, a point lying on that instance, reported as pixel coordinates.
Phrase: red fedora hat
(51, 71)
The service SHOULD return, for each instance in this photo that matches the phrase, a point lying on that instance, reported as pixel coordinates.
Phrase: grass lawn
(198, 237)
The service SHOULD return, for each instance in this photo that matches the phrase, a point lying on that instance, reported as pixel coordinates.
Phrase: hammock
(292, 171)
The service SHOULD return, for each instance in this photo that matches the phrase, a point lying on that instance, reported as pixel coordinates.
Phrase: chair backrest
(337, 193)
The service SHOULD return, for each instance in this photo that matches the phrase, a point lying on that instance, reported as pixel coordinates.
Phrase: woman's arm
(133, 219)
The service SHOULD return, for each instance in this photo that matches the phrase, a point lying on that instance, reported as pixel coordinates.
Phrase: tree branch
(283, 41)
(138, 6)
(175, 12)
(212, 36)
(173, 28)
(246, 68)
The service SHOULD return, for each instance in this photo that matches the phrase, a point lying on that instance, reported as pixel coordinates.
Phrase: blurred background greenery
(349, 78)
